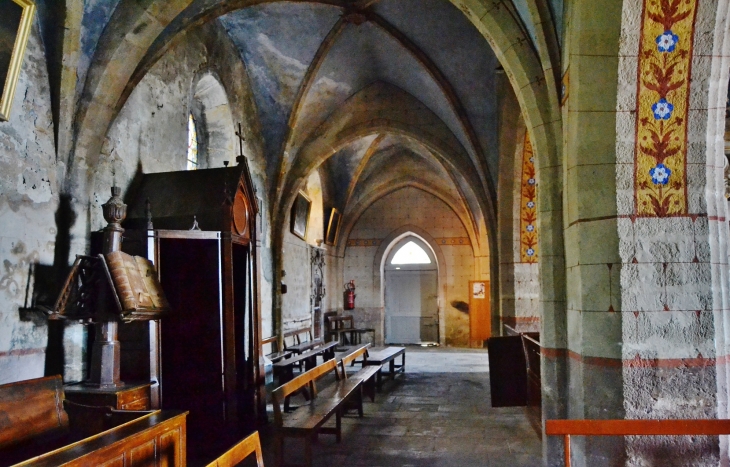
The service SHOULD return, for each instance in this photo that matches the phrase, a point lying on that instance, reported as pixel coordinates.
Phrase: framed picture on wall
(15, 24)
(300, 215)
(333, 227)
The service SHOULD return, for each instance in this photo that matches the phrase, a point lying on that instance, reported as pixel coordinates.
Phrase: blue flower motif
(662, 109)
(660, 174)
(530, 252)
(530, 204)
(667, 42)
(530, 228)
(531, 181)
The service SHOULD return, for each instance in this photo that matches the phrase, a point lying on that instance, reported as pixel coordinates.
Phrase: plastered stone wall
(411, 207)
(296, 308)
(29, 237)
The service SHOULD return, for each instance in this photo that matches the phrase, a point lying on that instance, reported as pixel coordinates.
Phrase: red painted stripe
(698, 362)
(21, 352)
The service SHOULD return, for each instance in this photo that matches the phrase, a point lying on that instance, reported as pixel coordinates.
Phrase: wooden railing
(568, 428)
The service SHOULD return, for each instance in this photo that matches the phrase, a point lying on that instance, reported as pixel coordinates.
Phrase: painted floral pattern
(665, 58)
(528, 205)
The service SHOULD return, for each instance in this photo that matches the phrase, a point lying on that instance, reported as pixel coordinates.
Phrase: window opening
(410, 253)
(192, 144)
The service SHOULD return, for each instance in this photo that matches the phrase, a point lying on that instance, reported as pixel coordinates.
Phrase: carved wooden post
(106, 352)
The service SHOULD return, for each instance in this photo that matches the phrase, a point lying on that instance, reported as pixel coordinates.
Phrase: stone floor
(437, 414)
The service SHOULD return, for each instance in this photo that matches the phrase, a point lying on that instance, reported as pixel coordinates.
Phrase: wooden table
(387, 355)
(344, 330)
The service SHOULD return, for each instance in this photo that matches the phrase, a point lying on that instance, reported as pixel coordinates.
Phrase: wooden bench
(38, 427)
(300, 345)
(238, 453)
(387, 355)
(366, 374)
(308, 421)
(695, 427)
(284, 369)
(275, 355)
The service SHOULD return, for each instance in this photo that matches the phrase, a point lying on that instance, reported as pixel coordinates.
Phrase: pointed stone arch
(381, 255)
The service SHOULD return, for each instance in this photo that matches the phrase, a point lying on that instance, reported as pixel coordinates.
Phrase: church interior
(208, 205)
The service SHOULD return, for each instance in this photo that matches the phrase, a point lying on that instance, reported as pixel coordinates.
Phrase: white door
(411, 306)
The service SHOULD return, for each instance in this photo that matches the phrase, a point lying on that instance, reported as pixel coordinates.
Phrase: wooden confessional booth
(206, 353)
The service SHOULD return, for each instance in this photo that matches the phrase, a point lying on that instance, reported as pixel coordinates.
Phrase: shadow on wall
(44, 284)
(461, 306)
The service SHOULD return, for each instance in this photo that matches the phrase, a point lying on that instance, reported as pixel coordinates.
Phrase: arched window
(410, 253)
(192, 144)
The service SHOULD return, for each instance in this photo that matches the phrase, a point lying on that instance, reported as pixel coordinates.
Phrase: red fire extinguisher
(350, 295)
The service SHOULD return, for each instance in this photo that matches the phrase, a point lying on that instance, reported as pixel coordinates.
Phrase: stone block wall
(519, 273)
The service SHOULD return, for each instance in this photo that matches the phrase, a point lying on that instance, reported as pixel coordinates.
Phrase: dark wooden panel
(109, 447)
(243, 335)
(170, 448)
(507, 371)
(143, 455)
(191, 366)
(116, 462)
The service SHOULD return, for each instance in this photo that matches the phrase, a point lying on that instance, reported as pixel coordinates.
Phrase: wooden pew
(238, 453)
(300, 344)
(275, 354)
(387, 355)
(284, 369)
(366, 374)
(567, 428)
(39, 428)
(308, 421)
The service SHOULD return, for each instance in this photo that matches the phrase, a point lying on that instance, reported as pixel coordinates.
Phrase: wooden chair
(238, 453)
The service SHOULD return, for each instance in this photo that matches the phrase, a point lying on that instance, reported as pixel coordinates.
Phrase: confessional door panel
(191, 335)
(243, 337)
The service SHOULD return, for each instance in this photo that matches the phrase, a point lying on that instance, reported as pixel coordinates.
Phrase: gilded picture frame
(300, 215)
(333, 227)
(15, 24)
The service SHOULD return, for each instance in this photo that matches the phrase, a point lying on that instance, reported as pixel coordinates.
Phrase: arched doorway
(411, 293)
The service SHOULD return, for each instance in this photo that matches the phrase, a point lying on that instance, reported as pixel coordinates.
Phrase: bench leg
(279, 450)
(308, 451)
(392, 369)
(370, 388)
(338, 424)
(380, 379)
(359, 401)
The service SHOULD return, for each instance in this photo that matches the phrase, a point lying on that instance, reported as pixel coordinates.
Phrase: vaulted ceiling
(317, 68)
(305, 60)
